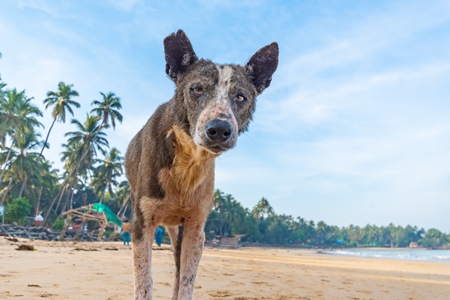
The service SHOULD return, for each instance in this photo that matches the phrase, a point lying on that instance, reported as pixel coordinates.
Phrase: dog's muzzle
(220, 134)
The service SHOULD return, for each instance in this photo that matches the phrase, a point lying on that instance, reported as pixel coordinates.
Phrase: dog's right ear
(179, 54)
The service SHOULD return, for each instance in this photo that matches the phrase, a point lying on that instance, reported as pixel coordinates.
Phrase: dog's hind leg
(191, 252)
(176, 238)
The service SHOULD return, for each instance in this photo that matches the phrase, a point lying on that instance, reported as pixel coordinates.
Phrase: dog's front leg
(176, 237)
(191, 252)
(142, 261)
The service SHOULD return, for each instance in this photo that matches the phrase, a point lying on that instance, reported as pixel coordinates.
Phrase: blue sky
(354, 129)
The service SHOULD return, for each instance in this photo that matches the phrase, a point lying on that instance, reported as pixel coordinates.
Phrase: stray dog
(170, 162)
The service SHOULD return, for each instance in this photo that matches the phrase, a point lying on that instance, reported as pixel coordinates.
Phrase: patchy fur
(170, 162)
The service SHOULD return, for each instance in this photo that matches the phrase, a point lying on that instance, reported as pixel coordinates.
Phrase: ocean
(404, 254)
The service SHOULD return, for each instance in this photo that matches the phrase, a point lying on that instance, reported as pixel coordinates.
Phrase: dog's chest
(191, 166)
(188, 183)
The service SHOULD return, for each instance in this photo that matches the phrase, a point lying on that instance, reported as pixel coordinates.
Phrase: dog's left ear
(262, 65)
(179, 54)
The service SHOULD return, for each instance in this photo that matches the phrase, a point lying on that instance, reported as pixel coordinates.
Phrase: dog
(170, 162)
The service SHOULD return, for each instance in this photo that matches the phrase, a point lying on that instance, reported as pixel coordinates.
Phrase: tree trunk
(102, 196)
(63, 209)
(22, 189)
(125, 210)
(6, 160)
(59, 200)
(7, 189)
(46, 139)
(71, 201)
(125, 204)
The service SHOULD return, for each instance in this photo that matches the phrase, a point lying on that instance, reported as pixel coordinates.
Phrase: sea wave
(404, 254)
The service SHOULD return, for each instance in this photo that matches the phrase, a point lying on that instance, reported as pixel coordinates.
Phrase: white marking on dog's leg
(191, 253)
(142, 262)
(173, 234)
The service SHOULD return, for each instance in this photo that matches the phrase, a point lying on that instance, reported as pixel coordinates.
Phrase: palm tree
(262, 210)
(17, 119)
(218, 201)
(108, 109)
(21, 159)
(233, 214)
(107, 172)
(88, 140)
(89, 137)
(28, 159)
(322, 230)
(62, 102)
(2, 92)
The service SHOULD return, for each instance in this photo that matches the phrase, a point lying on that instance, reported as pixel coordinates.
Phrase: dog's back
(170, 162)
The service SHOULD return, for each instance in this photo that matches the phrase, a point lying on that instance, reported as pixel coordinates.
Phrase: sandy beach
(70, 270)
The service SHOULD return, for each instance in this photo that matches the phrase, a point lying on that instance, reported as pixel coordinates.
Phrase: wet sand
(73, 271)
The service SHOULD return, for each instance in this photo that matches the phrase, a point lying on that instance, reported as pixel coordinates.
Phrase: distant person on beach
(126, 232)
(158, 236)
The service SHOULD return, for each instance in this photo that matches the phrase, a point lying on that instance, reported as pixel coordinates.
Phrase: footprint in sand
(261, 282)
(220, 294)
(47, 295)
(8, 294)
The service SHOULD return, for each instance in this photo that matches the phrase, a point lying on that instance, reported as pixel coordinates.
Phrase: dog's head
(217, 100)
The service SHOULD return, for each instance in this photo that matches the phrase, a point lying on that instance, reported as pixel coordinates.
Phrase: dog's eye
(197, 90)
(239, 98)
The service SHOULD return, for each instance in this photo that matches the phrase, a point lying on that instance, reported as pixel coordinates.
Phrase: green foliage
(58, 224)
(17, 210)
(263, 225)
(434, 238)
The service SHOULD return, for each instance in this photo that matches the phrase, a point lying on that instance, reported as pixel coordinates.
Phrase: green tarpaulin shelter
(111, 217)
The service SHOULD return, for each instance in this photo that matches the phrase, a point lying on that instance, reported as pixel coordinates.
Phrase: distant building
(413, 245)
(227, 241)
(232, 241)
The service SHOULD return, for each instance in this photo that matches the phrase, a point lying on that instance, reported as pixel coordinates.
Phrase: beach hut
(231, 241)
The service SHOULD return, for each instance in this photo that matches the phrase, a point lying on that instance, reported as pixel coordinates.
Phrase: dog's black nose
(219, 130)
